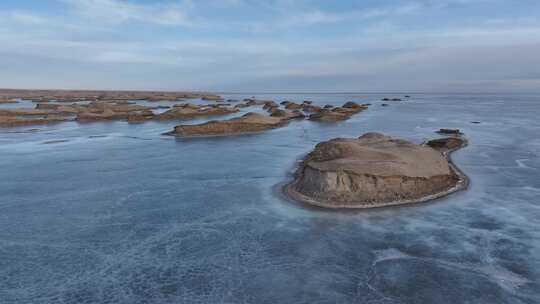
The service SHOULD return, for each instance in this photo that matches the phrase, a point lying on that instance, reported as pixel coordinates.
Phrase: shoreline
(463, 184)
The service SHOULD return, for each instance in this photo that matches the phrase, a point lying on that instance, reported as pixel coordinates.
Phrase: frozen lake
(117, 213)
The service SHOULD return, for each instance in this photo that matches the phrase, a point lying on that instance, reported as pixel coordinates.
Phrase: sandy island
(85, 106)
(377, 171)
(251, 122)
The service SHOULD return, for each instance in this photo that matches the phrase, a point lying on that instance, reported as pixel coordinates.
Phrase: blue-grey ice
(118, 213)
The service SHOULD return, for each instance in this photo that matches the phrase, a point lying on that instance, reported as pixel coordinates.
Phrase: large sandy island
(375, 170)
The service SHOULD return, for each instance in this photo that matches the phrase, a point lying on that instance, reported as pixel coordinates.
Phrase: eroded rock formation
(190, 111)
(16, 117)
(248, 123)
(283, 114)
(212, 97)
(109, 111)
(293, 106)
(81, 95)
(375, 170)
(335, 114)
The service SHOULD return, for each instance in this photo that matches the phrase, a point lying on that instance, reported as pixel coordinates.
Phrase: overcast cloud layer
(272, 45)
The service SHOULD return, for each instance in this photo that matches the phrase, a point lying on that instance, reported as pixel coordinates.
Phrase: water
(117, 213)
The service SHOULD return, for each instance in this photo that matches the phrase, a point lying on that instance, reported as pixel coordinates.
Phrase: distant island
(54, 106)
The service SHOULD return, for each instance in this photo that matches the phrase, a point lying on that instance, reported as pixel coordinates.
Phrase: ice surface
(121, 214)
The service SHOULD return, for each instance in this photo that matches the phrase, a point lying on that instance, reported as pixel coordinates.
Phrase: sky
(272, 45)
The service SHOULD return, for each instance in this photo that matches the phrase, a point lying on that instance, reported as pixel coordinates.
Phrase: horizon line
(271, 92)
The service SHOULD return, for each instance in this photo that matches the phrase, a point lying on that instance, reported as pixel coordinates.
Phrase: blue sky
(272, 45)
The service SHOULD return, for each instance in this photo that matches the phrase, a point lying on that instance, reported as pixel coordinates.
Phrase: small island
(254, 122)
(133, 107)
(245, 124)
(375, 170)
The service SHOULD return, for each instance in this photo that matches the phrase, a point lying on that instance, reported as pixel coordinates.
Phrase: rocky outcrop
(17, 117)
(352, 105)
(25, 112)
(54, 105)
(338, 113)
(296, 114)
(309, 108)
(446, 145)
(212, 97)
(328, 116)
(375, 170)
(190, 111)
(75, 96)
(141, 116)
(127, 108)
(450, 131)
(90, 112)
(106, 114)
(108, 111)
(293, 106)
(248, 123)
(11, 121)
(7, 100)
(269, 105)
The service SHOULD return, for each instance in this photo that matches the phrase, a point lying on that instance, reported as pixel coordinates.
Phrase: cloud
(118, 11)
(314, 17)
(320, 17)
(27, 18)
(238, 45)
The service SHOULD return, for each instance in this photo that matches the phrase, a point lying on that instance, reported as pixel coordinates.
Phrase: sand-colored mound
(11, 121)
(74, 96)
(109, 111)
(212, 97)
(248, 123)
(336, 114)
(106, 110)
(17, 117)
(24, 112)
(7, 100)
(293, 106)
(190, 111)
(372, 171)
(283, 114)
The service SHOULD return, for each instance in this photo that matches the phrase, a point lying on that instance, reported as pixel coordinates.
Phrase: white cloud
(27, 18)
(379, 49)
(118, 11)
(320, 17)
(313, 17)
